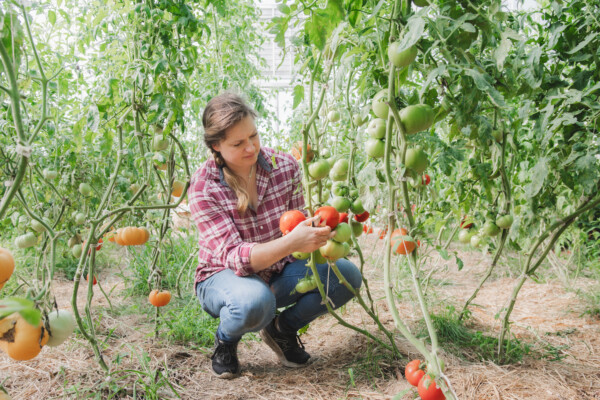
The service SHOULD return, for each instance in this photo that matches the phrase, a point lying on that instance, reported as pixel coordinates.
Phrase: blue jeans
(248, 304)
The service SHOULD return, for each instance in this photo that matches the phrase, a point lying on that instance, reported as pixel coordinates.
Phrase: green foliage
(455, 337)
(171, 260)
(188, 324)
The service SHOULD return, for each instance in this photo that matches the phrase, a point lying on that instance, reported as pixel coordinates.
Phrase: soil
(345, 364)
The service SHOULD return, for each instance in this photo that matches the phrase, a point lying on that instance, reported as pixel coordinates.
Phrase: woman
(246, 271)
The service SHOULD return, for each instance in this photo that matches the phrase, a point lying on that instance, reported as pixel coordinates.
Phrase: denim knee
(257, 309)
(350, 272)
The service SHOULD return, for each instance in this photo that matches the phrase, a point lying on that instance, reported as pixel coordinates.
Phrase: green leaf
(483, 85)
(323, 21)
(24, 307)
(52, 17)
(416, 28)
(581, 45)
(501, 52)
(459, 262)
(283, 8)
(298, 95)
(538, 175)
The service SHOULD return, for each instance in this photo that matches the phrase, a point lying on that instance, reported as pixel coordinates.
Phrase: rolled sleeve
(221, 245)
(297, 198)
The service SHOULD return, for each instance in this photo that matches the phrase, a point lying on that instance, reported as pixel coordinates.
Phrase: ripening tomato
(426, 179)
(367, 229)
(466, 222)
(289, 220)
(343, 217)
(402, 243)
(429, 390)
(362, 217)
(413, 372)
(329, 216)
(95, 280)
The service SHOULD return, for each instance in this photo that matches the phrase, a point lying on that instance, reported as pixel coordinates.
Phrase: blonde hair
(220, 114)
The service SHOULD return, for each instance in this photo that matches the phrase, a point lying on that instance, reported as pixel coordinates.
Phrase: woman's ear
(216, 147)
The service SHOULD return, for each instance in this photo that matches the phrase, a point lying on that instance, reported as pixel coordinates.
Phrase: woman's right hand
(307, 238)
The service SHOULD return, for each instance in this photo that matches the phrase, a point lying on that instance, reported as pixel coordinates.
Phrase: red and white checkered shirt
(226, 238)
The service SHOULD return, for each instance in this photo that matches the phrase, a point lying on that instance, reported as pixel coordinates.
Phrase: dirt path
(544, 312)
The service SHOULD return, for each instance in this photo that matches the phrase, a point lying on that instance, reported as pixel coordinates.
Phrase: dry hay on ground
(545, 312)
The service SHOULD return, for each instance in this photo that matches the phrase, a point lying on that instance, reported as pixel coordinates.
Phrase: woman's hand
(307, 238)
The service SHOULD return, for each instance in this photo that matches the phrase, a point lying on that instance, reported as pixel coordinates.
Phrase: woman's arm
(303, 237)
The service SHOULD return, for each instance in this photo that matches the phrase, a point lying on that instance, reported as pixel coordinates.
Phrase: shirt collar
(261, 161)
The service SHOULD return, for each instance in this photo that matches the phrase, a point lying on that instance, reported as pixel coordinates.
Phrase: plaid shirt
(226, 237)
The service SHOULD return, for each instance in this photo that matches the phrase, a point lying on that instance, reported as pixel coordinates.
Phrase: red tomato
(98, 247)
(425, 179)
(466, 222)
(413, 373)
(343, 217)
(95, 281)
(383, 232)
(429, 390)
(400, 242)
(367, 229)
(362, 217)
(329, 216)
(289, 220)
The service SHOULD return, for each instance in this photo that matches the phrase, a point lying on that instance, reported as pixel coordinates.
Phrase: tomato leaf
(538, 175)
(298, 95)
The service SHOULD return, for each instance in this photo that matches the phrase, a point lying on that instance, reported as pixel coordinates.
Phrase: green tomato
(490, 228)
(85, 189)
(379, 106)
(417, 118)
(353, 193)
(134, 187)
(340, 167)
(375, 148)
(158, 143)
(62, 325)
(498, 135)
(403, 58)
(333, 116)
(357, 228)
(76, 250)
(299, 255)
(340, 203)
(49, 174)
(339, 189)
(504, 221)
(27, 240)
(73, 241)
(336, 178)
(416, 159)
(346, 249)
(357, 207)
(343, 232)
(79, 219)
(37, 226)
(475, 240)
(319, 169)
(306, 284)
(376, 128)
(332, 250)
(358, 120)
(464, 236)
(319, 259)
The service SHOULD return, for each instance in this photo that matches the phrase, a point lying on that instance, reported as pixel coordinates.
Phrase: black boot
(286, 345)
(224, 359)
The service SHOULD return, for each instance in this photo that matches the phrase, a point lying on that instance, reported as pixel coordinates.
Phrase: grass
(456, 338)
(187, 323)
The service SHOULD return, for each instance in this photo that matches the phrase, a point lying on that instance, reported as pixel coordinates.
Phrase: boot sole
(226, 375)
(268, 340)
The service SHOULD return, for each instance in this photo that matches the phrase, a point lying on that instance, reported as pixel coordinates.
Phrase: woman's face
(241, 145)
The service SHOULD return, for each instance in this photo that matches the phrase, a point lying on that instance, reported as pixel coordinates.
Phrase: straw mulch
(545, 314)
